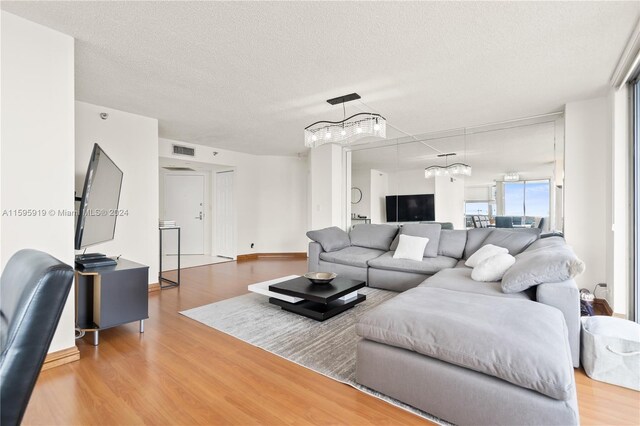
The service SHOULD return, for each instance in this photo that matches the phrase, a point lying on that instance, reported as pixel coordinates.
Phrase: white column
(587, 196)
(327, 186)
(449, 200)
(379, 189)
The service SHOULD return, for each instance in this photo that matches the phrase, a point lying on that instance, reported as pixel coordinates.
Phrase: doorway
(184, 202)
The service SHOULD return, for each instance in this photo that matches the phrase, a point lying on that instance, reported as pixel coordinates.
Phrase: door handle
(199, 217)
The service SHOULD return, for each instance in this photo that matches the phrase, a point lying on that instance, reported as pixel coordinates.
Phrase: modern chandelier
(349, 130)
(454, 169)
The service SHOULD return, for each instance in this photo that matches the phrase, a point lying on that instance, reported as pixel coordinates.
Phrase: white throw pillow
(483, 253)
(411, 248)
(493, 268)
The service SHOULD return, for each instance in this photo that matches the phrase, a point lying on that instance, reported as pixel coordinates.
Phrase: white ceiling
(250, 76)
(530, 150)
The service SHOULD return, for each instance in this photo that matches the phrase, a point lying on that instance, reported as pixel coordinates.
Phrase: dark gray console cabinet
(111, 296)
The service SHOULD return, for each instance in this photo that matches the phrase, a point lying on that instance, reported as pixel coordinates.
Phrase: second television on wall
(410, 208)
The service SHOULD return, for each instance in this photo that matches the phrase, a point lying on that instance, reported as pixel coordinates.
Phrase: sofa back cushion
(514, 240)
(373, 236)
(444, 225)
(452, 243)
(475, 238)
(424, 230)
(331, 239)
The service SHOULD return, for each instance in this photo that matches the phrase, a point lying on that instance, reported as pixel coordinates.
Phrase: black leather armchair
(33, 291)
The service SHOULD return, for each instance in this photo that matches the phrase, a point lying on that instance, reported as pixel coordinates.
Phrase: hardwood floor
(182, 372)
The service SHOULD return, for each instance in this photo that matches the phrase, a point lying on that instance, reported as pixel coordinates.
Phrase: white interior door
(184, 203)
(224, 229)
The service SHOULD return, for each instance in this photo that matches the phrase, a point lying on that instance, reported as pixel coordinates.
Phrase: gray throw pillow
(553, 264)
(452, 243)
(331, 239)
(373, 236)
(514, 240)
(424, 230)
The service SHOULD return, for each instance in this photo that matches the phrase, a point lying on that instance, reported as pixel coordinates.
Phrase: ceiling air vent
(179, 169)
(184, 150)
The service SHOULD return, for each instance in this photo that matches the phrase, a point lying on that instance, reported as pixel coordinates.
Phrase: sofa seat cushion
(352, 256)
(427, 266)
(459, 279)
(519, 341)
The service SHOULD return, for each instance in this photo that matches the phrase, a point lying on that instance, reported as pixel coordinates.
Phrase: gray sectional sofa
(466, 351)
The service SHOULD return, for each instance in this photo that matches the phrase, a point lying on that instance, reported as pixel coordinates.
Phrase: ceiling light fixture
(347, 131)
(454, 169)
(511, 176)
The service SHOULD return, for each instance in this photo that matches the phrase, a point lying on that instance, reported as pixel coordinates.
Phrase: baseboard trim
(58, 358)
(256, 256)
(245, 257)
(154, 287)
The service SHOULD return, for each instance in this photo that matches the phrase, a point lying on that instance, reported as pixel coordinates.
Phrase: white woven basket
(610, 350)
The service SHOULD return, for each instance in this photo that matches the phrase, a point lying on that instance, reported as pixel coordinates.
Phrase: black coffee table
(321, 301)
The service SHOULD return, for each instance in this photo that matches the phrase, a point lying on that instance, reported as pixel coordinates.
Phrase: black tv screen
(100, 198)
(410, 208)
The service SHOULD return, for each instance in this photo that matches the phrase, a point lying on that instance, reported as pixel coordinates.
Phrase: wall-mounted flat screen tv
(410, 208)
(100, 198)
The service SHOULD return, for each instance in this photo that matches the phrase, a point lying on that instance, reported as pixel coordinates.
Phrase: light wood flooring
(182, 372)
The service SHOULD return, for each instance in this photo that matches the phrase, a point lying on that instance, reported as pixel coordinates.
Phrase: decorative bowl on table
(320, 277)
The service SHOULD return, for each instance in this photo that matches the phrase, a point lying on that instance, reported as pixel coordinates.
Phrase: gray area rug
(327, 347)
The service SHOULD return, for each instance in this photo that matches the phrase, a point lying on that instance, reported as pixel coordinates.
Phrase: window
(514, 199)
(536, 198)
(526, 198)
(477, 207)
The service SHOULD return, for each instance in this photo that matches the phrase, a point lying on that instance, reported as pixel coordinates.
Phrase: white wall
(38, 147)
(449, 201)
(361, 179)
(410, 182)
(131, 141)
(587, 150)
(449, 197)
(282, 199)
(379, 191)
(597, 219)
(270, 197)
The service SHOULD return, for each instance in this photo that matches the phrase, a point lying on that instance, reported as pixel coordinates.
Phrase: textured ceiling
(250, 76)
